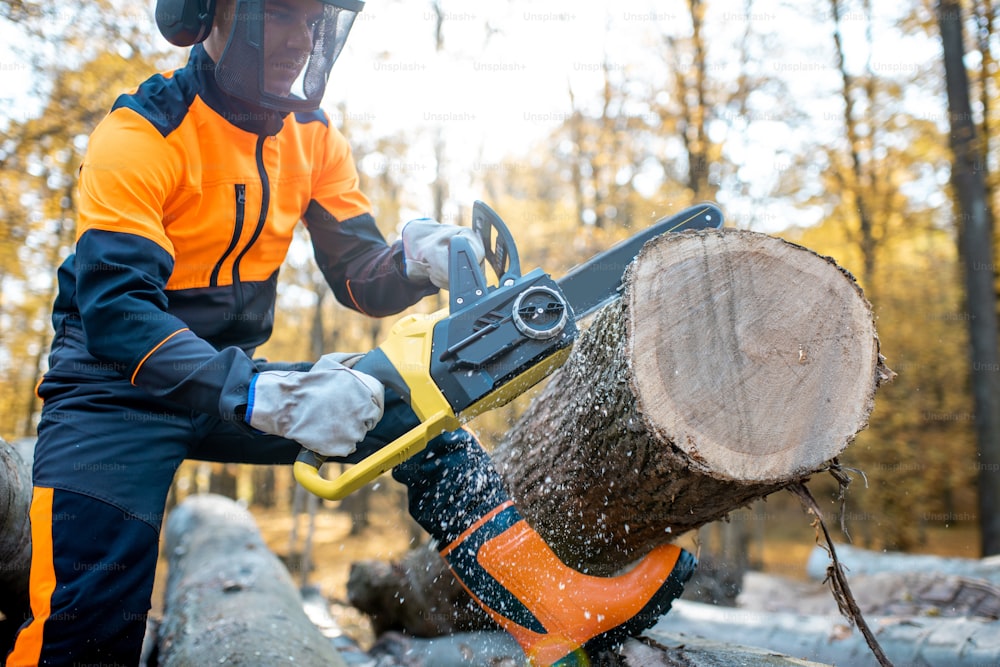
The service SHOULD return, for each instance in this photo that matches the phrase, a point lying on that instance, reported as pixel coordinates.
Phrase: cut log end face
(756, 357)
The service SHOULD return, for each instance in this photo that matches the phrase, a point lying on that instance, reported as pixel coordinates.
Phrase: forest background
(824, 122)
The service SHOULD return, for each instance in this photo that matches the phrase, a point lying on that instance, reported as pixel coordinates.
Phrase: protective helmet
(279, 52)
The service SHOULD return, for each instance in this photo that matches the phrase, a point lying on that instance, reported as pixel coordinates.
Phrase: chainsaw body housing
(499, 340)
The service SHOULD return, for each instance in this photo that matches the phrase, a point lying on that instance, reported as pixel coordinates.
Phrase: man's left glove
(328, 409)
(426, 246)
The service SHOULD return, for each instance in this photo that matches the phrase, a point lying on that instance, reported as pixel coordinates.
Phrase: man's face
(288, 38)
(289, 27)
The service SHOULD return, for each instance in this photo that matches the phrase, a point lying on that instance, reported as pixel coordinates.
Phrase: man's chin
(284, 91)
(282, 78)
(279, 86)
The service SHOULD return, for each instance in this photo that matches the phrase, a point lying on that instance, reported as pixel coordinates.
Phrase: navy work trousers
(104, 462)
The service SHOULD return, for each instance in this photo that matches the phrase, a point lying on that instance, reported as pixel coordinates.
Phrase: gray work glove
(328, 409)
(426, 245)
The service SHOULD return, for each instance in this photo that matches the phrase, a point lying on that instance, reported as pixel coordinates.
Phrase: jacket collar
(244, 115)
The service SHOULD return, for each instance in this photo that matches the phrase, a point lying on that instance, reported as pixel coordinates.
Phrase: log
(710, 384)
(416, 594)
(228, 599)
(15, 536)
(956, 642)
(196, 540)
(864, 561)
(735, 364)
(659, 650)
(454, 650)
(903, 594)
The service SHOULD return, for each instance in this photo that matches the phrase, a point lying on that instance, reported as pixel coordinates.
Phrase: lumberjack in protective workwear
(188, 195)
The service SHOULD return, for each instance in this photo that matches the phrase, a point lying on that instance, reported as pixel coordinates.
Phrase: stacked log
(230, 600)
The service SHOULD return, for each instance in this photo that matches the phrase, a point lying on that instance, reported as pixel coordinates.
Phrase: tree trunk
(228, 598)
(975, 233)
(223, 480)
(735, 364)
(264, 487)
(860, 186)
(15, 536)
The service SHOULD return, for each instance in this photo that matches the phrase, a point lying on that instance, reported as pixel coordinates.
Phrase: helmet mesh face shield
(280, 52)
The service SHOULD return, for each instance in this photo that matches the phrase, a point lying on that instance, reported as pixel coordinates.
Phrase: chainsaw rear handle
(308, 463)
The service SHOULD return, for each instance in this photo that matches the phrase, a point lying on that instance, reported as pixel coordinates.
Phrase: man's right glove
(328, 409)
(427, 247)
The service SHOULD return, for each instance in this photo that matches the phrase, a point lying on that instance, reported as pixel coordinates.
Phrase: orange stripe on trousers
(28, 647)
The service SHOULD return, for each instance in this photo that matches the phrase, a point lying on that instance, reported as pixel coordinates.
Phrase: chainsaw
(491, 344)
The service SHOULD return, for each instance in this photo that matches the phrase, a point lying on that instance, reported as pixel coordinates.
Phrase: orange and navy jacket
(187, 202)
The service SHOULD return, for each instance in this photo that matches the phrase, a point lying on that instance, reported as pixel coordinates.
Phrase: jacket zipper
(265, 201)
(241, 201)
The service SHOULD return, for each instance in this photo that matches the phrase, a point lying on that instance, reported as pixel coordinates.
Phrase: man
(188, 195)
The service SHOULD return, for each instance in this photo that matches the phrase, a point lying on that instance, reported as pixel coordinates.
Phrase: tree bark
(228, 598)
(735, 364)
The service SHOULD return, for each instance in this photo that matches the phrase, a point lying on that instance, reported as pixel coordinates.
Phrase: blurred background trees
(825, 122)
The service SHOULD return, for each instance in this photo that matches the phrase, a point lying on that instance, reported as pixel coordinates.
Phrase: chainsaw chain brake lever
(501, 251)
(466, 280)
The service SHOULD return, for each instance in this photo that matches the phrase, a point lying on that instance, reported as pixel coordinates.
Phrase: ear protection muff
(185, 22)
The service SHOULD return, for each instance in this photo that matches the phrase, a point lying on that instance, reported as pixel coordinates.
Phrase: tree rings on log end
(757, 358)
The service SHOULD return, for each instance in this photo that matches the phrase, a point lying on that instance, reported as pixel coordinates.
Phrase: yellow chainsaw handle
(402, 362)
(307, 465)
